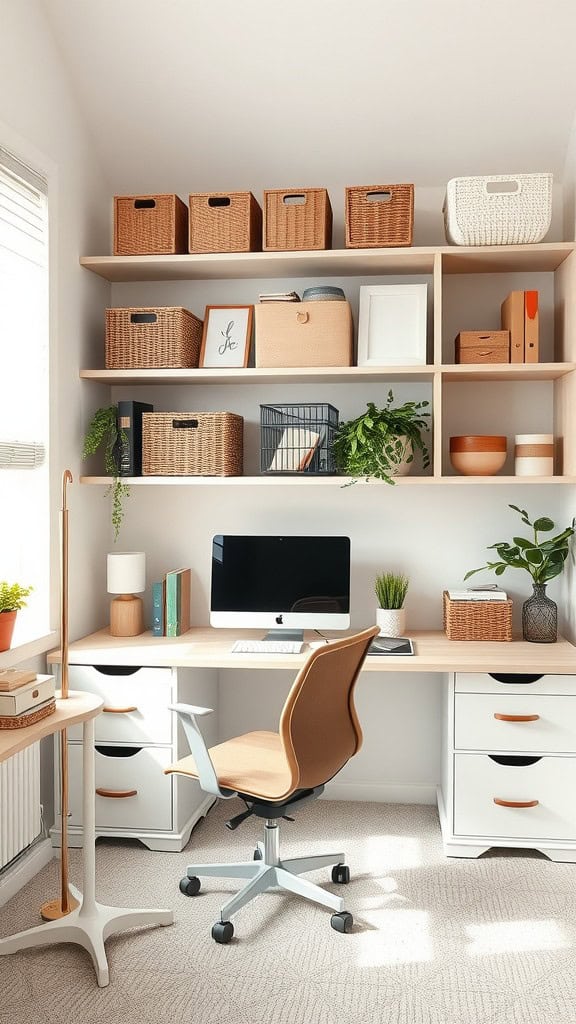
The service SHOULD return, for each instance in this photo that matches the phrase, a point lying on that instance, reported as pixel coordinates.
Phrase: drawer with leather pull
(514, 797)
(529, 722)
(135, 702)
(514, 682)
(131, 789)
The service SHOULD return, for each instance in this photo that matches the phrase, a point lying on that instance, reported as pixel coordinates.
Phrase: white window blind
(24, 390)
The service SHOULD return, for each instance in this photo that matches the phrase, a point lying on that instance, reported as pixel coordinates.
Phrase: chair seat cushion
(254, 764)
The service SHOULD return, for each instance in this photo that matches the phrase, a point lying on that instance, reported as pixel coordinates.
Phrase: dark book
(129, 449)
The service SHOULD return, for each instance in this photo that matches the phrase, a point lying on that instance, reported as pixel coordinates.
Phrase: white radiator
(20, 818)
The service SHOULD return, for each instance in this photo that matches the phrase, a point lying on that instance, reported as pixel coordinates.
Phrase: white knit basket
(477, 212)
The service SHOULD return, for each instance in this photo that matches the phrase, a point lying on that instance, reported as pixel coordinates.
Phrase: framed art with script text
(226, 336)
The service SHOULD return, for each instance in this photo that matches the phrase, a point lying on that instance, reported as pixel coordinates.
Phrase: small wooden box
(150, 225)
(27, 696)
(225, 222)
(297, 219)
(482, 347)
(477, 620)
(303, 334)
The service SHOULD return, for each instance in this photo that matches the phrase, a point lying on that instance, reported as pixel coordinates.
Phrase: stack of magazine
(489, 592)
(279, 297)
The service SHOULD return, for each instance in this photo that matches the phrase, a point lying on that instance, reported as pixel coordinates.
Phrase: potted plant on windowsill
(543, 559)
(103, 432)
(12, 599)
(381, 442)
(391, 591)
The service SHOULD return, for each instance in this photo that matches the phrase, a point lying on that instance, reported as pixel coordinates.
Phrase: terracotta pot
(7, 620)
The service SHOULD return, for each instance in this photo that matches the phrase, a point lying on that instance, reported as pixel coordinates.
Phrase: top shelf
(546, 256)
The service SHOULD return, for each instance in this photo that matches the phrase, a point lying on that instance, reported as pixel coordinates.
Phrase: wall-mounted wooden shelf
(323, 481)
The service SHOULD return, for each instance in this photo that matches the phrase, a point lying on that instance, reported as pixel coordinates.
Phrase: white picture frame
(226, 336)
(392, 325)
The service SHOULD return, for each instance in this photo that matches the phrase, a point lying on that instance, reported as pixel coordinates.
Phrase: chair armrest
(187, 713)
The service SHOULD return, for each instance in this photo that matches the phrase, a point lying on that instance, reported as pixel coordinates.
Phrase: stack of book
(279, 297)
(171, 604)
(490, 592)
(25, 698)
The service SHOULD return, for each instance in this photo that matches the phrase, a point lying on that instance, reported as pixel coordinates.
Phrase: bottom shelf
(325, 481)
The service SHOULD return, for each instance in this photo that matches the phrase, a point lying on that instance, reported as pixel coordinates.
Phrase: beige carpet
(436, 941)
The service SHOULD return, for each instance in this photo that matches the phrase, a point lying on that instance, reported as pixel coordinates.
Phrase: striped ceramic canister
(534, 455)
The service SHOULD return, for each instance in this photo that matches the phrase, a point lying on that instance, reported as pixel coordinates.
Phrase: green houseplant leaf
(13, 596)
(371, 445)
(543, 560)
(103, 432)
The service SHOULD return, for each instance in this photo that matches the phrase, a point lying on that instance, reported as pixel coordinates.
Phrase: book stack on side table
(25, 698)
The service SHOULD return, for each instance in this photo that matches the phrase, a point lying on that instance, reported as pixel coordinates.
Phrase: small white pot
(392, 621)
(402, 467)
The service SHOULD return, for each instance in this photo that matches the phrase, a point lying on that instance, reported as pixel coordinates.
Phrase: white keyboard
(267, 647)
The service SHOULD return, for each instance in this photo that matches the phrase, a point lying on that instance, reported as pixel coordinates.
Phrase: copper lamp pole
(57, 908)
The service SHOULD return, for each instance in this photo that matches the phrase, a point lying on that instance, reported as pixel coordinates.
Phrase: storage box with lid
(152, 337)
(297, 219)
(378, 216)
(482, 347)
(477, 620)
(224, 222)
(499, 209)
(303, 333)
(192, 444)
(150, 225)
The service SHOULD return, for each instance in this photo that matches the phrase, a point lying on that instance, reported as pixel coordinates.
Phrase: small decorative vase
(7, 620)
(392, 621)
(539, 617)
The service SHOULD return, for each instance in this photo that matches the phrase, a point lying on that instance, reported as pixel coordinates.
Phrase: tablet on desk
(391, 645)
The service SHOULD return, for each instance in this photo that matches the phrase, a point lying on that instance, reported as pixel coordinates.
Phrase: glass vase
(539, 617)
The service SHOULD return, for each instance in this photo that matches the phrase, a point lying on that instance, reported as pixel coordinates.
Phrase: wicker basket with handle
(477, 620)
(152, 337)
(150, 225)
(379, 216)
(297, 219)
(224, 222)
(192, 444)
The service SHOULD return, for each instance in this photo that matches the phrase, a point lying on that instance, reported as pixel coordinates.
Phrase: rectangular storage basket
(378, 216)
(297, 219)
(149, 225)
(500, 209)
(224, 222)
(192, 444)
(152, 337)
(298, 438)
(303, 333)
(477, 620)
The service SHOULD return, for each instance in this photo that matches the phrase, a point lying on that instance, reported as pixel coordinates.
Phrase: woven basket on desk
(192, 444)
(152, 337)
(379, 216)
(477, 620)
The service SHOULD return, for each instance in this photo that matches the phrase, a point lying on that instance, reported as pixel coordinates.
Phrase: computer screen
(280, 583)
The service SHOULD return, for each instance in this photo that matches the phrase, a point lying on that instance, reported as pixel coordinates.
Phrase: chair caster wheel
(190, 886)
(257, 854)
(341, 874)
(222, 931)
(342, 922)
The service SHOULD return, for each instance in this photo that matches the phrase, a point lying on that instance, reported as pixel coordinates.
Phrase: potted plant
(391, 591)
(12, 599)
(103, 432)
(381, 442)
(543, 558)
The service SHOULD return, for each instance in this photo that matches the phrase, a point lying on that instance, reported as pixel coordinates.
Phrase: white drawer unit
(509, 763)
(136, 738)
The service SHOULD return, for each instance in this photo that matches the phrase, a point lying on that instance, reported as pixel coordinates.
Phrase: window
(24, 392)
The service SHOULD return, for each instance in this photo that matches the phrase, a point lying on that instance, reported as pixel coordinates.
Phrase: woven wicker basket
(152, 337)
(21, 721)
(225, 222)
(484, 211)
(192, 444)
(297, 219)
(147, 225)
(378, 216)
(477, 620)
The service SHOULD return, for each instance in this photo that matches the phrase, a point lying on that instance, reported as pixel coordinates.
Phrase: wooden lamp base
(126, 618)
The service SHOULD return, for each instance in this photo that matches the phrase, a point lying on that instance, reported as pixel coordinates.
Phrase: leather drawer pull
(119, 711)
(117, 794)
(515, 803)
(507, 718)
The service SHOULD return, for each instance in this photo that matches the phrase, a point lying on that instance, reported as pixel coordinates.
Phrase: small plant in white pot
(391, 589)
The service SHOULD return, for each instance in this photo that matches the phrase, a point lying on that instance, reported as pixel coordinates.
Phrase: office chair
(277, 772)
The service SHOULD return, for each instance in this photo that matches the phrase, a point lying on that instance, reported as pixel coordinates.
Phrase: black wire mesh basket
(298, 438)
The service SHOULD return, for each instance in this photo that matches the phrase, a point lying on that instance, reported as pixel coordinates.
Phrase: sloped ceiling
(182, 95)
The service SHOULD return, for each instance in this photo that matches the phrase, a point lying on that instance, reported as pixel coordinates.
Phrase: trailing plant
(391, 588)
(373, 445)
(13, 596)
(103, 433)
(543, 559)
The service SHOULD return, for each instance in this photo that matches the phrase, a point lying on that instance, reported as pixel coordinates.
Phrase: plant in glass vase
(543, 559)
(381, 442)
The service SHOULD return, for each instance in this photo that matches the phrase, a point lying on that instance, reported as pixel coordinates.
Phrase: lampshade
(126, 572)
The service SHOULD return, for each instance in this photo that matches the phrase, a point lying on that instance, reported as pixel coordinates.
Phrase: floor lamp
(65, 903)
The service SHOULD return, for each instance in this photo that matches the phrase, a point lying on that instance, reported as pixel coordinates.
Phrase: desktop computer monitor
(284, 584)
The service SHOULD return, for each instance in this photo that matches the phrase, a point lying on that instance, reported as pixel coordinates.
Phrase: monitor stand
(285, 634)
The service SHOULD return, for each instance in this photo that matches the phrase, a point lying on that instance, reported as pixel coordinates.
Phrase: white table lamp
(126, 577)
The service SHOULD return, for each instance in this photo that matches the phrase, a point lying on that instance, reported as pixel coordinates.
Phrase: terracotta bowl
(478, 454)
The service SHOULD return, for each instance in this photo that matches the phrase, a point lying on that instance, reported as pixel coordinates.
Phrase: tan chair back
(319, 726)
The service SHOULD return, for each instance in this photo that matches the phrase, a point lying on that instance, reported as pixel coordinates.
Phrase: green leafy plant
(103, 433)
(13, 596)
(391, 589)
(372, 445)
(543, 559)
